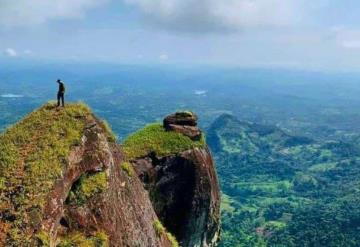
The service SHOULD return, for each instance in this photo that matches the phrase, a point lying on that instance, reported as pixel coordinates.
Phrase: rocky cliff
(65, 182)
(182, 182)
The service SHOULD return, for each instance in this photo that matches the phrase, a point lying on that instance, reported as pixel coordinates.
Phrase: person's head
(58, 81)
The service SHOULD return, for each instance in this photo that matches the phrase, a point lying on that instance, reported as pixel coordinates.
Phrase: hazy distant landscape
(310, 103)
(285, 141)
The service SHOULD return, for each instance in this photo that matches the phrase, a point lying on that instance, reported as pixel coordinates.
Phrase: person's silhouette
(61, 93)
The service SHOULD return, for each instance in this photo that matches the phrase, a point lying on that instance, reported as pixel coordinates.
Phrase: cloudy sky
(320, 34)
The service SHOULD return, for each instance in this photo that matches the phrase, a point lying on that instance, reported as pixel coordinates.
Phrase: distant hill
(285, 190)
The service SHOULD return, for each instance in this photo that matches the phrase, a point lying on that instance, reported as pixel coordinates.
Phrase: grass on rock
(88, 186)
(99, 239)
(33, 154)
(154, 138)
(160, 230)
(127, 167)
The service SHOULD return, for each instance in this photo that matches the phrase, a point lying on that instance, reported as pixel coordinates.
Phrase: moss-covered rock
(127, 167)
(88, 186)
(33, 154)
(161, 230)
(99, 239)
(155, 139)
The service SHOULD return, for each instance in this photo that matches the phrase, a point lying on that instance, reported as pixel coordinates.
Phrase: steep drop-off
(64, 182)
(181, 180)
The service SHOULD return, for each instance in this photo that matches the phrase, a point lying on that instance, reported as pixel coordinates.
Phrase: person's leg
(58, 99)
(63, 100)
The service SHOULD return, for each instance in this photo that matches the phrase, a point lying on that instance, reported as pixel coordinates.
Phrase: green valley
(284, 190)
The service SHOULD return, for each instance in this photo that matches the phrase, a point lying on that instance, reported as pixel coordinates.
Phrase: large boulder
(184, 123)
(181, 118)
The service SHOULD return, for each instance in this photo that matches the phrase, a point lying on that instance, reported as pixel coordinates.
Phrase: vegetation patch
(43, 238)
(154, 138)
(110, 134)
(226, 203)
(173, 241)
(160, 230)
(323, 167)
(127, 167)
(33, 154)
(88, 186)
(275, 225)
(99, 239)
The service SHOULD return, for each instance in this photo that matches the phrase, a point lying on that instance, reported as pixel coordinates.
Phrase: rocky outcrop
(181, 118)
(184, 123)
(184, 189)
(84, 198)
(64, 181)
(122, 210)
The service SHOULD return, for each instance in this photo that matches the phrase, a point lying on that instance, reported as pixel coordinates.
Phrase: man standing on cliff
(61, 93)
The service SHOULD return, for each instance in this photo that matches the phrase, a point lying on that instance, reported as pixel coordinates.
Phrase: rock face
(122, 211)
(184, 189)
(65, 182)
(184, 123)
(90, 201)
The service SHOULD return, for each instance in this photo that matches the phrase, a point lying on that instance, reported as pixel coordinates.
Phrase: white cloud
(219, 15)
(29, 12)
(164, 57)
(10, 52)
(346, 38)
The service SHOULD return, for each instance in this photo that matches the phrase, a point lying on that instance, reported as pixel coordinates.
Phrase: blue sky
(319, 35)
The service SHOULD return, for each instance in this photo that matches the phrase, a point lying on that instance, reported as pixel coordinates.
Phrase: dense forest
(283, 190)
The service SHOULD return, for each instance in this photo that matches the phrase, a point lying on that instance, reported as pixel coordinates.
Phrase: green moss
(160, 230)
(173, 241)
(99, 239)
(153, 138)
(33, 154)
(127, 167)
(2, 184)
(110, 134)
(43, 238)
(88, 186)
